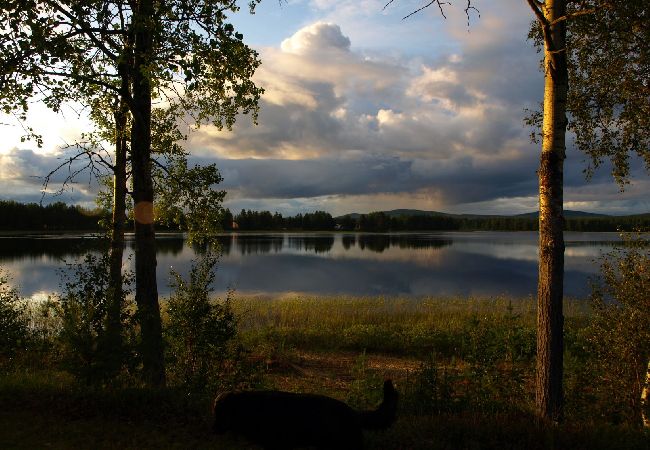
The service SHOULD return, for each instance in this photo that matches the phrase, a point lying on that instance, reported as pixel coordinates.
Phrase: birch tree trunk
(550, 319)
(146, 290)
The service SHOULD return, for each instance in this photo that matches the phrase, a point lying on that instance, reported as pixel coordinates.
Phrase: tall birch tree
(605, 56)
(181, 52)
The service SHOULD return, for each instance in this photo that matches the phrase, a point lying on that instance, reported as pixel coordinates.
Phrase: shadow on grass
(48, 411)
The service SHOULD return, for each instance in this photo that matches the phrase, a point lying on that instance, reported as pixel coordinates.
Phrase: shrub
(199, 331)
(83, 307)
(620, 330)
(14, 332)
(366, 388)
(430, 390)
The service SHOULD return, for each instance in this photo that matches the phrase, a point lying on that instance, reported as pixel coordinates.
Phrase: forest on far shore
(15, 216)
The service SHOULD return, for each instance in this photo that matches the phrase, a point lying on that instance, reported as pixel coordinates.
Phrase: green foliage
(14, 333)
(620, 331)
(608, 93)
(187, 198)
(83, 307)
(199, 331)
(607, 104)
(56, 52)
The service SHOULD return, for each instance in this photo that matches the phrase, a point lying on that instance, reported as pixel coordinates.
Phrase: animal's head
(389, 389)
(390, 395)
(222, 413)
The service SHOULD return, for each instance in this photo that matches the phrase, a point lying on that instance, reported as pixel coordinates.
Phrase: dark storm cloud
(461, 182)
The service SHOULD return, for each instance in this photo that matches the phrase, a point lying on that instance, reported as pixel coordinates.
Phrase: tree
(182, 53)
(605, 56)
(596, 75)
(551, 15)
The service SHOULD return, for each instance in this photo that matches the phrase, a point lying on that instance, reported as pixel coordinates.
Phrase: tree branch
(536, 6)
(574, 15)
(85, 28)
(469, 7)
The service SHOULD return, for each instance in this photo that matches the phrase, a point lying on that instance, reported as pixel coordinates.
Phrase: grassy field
(464, 369)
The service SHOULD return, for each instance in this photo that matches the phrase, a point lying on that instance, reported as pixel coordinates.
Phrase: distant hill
(402, 212)
(413, 212)
(417, 220)
(567, 213)
(416, 212)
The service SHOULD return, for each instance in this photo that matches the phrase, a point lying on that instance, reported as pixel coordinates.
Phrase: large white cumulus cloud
(317, 38)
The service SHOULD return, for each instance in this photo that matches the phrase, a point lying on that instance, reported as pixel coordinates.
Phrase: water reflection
(413, 264)
(311, 243)
(252, 244)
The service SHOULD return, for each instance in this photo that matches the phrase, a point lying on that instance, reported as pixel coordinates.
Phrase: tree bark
(645, 399)
(116, 291)
(550, 319)
(146, 291)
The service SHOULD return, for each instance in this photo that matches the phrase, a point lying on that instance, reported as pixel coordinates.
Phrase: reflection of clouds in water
(583, 252)
(518, 251)
(423, 257)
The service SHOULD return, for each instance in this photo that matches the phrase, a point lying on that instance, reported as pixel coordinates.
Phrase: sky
(366, 111)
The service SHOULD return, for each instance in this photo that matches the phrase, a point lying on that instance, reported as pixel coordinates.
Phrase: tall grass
(402, 326)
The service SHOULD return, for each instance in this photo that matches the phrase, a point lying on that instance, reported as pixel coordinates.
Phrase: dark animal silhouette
(284, 420)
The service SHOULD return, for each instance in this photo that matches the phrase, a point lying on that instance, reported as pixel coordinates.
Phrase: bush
(366, 387)
(620, 331)
(431, 390)
(83, 308)
(14, 332)
(199, 331)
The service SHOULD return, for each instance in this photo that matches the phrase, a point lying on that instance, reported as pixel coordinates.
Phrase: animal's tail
(384, 415)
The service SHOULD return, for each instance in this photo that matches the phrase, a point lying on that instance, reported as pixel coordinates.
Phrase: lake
(358, 264)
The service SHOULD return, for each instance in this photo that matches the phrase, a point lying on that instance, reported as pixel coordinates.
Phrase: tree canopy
(609, 82)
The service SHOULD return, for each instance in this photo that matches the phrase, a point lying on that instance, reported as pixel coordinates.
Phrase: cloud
(364, 111)
(319, 37)
(339, 125)
(22, 173)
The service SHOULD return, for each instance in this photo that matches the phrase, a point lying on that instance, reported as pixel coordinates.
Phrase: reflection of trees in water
(67, 247)
(62, 247)
(316, 244)
(380, 242)
(54, 247)
(374, 242)
(253, 244)
(349, 240)
(225, 244)
(402, 241)
(167, 245)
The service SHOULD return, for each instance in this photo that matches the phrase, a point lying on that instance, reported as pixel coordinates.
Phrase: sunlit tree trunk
(550, 319)
(146, 291)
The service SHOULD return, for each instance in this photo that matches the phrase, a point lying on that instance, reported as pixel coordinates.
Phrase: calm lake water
(405, 264)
